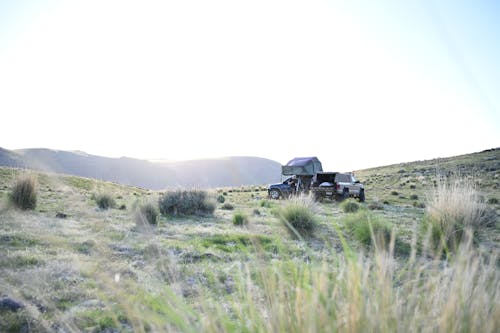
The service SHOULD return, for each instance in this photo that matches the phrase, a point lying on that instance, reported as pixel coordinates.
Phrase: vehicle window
(343, 178)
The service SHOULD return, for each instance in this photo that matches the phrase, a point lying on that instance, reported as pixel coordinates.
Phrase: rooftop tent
(302, 166)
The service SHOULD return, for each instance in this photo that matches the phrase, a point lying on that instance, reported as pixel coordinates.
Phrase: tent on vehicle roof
(302, 166)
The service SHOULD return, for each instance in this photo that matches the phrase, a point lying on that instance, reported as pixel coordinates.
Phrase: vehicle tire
(275, 194)
(361, 195)
(345, 194)
(318, 197)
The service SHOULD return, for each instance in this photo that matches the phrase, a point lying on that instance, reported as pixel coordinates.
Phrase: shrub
(413, 197)
(376, 205)
(492, 201)
(298, 215)
(349, 206)
(453, 208)
(23, 194)
(147, 213)
(221, 198)
(417, 204)
(413, 187)
(104, 200)
(227, 206)
(366, 227)
(240, 218)
(489, 217)
(265, 204)
(394, 193)
(186, 202)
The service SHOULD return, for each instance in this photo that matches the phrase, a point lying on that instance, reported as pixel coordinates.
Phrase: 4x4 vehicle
(282, 190)
(333, 185)
(336, 185)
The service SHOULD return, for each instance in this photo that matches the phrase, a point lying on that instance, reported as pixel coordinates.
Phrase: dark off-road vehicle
(335, 185)
(282, 190)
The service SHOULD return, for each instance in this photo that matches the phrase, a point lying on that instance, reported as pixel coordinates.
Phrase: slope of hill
(398, 183)
(68, 266)
(203, 173)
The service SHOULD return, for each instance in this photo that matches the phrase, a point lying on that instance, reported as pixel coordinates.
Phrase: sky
(356, 83)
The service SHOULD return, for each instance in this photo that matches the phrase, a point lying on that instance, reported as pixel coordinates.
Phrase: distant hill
(202, 173)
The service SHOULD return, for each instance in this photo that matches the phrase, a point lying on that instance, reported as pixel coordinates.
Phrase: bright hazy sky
(356, 83)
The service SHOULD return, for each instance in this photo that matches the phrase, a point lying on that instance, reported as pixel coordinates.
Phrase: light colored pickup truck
(336, 185)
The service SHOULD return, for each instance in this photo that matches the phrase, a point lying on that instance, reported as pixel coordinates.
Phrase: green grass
(96, 271)
(240, 219)
(298, 215)
(18, 240)
(349, 206)
(81, 183)
(232, 243)
(361, 294)
(368, 228)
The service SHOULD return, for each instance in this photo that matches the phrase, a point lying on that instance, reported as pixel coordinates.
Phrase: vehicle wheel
(274, 194)
(318, 197)
(345, 194)
(361, 195)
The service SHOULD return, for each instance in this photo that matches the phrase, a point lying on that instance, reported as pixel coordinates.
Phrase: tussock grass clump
(376, 205)
(227, 206)
(186, 202)
(454, 208)
(147, 213)
(349, 206)
(493, 201)
(298, 215)
(240, 218)
(104, 201)
(367, 227)
(221, 198)
(23, 193)
(265, 204)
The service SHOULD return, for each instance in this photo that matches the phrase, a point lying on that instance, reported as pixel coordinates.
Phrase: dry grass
(187, 202)
(453, 208)
(24, 192)
(298, 215)
(95, 271)
(360, 294)
(146, 216)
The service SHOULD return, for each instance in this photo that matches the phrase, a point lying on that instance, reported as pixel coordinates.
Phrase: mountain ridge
(201, 173)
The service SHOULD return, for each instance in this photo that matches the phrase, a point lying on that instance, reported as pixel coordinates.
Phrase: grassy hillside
(69, 266)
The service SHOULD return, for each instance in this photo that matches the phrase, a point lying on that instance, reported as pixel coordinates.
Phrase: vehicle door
(342, 181)
(354, 187)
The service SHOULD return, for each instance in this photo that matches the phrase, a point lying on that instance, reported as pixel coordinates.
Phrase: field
(70, 266)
